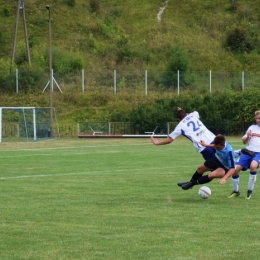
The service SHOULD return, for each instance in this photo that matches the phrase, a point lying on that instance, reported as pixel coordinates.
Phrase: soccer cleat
(249, 194)
(234, 194)
(188, 185)
(182, 183)
(247, 152)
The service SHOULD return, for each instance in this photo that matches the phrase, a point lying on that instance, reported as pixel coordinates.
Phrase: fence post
(114, 81)
(83, 79)
(16, 80)
(243, 80)
(0, 124)
(178, 82)
(145, 75)
(210, 81)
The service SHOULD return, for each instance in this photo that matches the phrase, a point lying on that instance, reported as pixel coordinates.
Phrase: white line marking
(64, 154)
(73, 147)
(133, 171)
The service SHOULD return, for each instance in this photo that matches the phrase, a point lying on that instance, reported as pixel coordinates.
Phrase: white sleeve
(196, 114)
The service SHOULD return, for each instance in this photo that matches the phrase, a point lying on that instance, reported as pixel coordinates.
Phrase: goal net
(28, 124)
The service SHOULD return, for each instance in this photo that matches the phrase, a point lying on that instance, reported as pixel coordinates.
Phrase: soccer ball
(204, 192)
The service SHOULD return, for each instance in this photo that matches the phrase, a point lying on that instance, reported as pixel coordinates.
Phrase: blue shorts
(245, 160)
(208, 153)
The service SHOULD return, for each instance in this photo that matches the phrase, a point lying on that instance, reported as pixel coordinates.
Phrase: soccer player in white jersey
(192, 128)
(249, 158)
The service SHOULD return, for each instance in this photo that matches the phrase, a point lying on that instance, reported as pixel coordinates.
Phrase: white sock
(235, 182)
(252, 180)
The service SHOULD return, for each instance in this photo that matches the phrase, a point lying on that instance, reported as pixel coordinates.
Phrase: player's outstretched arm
(168, 140)
(206, 145)
(226, 176)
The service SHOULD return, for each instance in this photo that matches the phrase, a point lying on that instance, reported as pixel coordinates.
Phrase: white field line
(63, 154)
(73, 147)
(133, 172)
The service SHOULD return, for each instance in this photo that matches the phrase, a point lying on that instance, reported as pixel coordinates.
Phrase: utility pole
(50, 70)
(51, 78)
(20, 6)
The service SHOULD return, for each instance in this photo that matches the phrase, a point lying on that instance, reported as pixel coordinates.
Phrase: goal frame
(34, 120)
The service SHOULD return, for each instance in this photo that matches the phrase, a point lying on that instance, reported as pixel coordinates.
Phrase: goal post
(28, 123)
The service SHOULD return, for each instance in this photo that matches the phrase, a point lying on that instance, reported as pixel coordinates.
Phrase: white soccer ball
(204, 192)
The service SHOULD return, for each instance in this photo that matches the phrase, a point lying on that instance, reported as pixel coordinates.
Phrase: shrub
(94, 6)
(64, 61)
(6, 12)
(71, 3)
(243, 37)
(31, 80)
(178, 60)
(237, 40)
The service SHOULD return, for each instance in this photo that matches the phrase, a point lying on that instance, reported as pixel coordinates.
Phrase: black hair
(181, 114)
(219, 140)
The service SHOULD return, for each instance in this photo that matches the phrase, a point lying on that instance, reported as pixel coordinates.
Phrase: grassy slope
(199, 27)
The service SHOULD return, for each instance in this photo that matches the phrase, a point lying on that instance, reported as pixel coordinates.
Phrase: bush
(31, 80)
(71, 3)
(243, 37)
(228, 114)
(237, 40)
(178, 60)
(94, 6)
(6, 12)
(64, 61)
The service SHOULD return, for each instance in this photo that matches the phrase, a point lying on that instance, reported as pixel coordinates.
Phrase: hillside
(127, 34)
(102, 36)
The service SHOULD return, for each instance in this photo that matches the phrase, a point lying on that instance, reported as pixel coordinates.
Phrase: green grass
(118, 199)
(94, 37)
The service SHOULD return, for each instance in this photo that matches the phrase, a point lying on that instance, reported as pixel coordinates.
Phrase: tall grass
(101, 25)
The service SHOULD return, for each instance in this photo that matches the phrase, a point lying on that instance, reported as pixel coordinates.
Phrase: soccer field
(118, 199)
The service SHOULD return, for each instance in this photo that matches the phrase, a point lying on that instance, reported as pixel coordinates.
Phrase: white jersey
(254, 141)
(192, 128)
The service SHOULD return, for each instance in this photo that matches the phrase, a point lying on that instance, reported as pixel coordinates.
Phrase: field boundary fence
(10, 130)
(145, 82)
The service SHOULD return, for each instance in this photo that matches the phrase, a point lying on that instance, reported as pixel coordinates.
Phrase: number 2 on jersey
(196, 126)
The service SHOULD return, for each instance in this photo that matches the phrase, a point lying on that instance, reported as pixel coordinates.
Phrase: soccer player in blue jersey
(249, 159)
(192, 128)
(221, 164)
